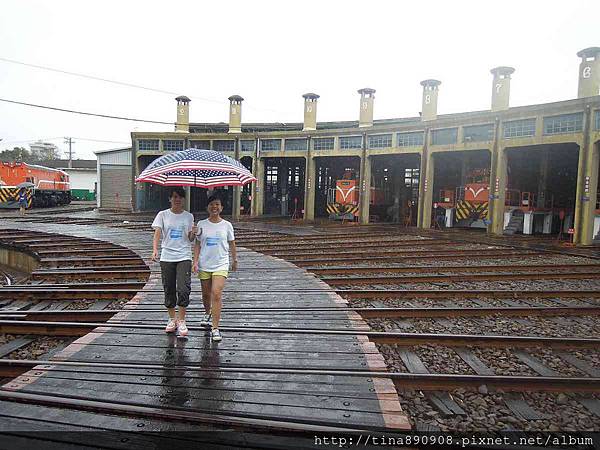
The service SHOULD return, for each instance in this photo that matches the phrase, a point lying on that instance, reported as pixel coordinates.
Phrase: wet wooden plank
(330, 399)
(359, 388)
(229, 403)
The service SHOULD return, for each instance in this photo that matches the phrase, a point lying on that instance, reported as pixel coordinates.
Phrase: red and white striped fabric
(195, 167)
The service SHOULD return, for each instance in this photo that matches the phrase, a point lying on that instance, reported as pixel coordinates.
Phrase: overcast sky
(271, 53)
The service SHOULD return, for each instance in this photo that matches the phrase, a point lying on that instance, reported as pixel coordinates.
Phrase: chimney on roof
(367, 96)
(183, 114)
(501, 87)
(235, 114)
(310, 111)
(430, 96)
(589, 72)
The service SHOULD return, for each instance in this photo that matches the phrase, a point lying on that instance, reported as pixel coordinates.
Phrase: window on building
(202, 145)
(478, 133)
(224, 146)
(270, 144)
(410, 139)
(597, 120)
(148, 144)
(296, 144)
(272, 179)
(411, 178)
(294, 176)
(566, 123)
(347, 142)
(172, 146)
(519, 128)
(444, 136)
(380, 141)
(323, 143)
(248, 145)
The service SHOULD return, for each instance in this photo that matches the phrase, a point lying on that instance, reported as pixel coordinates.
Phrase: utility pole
(70, 141)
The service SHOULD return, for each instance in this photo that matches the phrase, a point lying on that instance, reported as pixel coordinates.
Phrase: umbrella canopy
(25, 184)
(195, 167)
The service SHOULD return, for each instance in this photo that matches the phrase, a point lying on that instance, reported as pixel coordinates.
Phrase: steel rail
(407, 254)
(410, 269)
(452, 278)
(381, 252)
(116, 251)
(92, 261)
(246, 421)
(510, 311)
(93, 269)
(359, 244)
(405, 339)
(72, 244)
(64, 275)
(335, 243)
(67, 294)
(466, 293)
(429, 381)
(71, 286)
(318, 237)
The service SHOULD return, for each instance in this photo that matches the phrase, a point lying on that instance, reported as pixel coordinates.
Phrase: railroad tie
(440, 400)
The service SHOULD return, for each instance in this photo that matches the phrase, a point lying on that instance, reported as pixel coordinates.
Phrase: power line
(106, 116)
(60, 137)
(106, 80)
(131, 85)
(101, 140)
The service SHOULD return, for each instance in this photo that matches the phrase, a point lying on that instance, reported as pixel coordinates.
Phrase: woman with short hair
(211, 259)
(177, 228)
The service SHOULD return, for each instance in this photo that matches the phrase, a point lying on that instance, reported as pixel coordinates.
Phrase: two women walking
(213, 242)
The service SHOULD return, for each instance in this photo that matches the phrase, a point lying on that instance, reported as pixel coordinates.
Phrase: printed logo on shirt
(176, 234)
(212, 241)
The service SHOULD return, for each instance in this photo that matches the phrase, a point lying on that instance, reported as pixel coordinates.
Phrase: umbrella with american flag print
(196, 167)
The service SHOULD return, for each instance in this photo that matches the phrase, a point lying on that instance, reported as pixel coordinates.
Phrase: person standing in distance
(211, 260)
(178, 231)
(22, 197)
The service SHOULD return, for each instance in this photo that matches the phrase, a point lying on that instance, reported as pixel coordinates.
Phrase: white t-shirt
(174, 228)
(214, 245)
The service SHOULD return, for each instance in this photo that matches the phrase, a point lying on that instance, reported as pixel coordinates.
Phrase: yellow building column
(309, 188)
(426, 201)
(498, 183)
(237, 190)
(423, 181)
(365, 187)
(258, 196)
(587, 185)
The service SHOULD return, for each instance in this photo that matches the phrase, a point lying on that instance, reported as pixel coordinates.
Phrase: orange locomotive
(343, 201)
(44, 186)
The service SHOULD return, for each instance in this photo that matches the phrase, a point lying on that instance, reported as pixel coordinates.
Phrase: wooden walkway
(167, 384)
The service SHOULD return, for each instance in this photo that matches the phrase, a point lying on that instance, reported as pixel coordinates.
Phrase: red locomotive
(44, 186)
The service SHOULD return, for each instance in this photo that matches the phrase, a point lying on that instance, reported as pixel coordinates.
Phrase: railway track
(406, 310)
(465, 289)
(50, 290)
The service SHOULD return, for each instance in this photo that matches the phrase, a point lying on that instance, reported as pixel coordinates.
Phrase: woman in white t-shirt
(214, 242)
(177, 228)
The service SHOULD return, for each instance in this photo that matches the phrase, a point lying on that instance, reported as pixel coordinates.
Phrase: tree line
(21, 154)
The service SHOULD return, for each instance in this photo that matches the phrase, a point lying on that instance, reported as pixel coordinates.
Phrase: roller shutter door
(115, 187)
